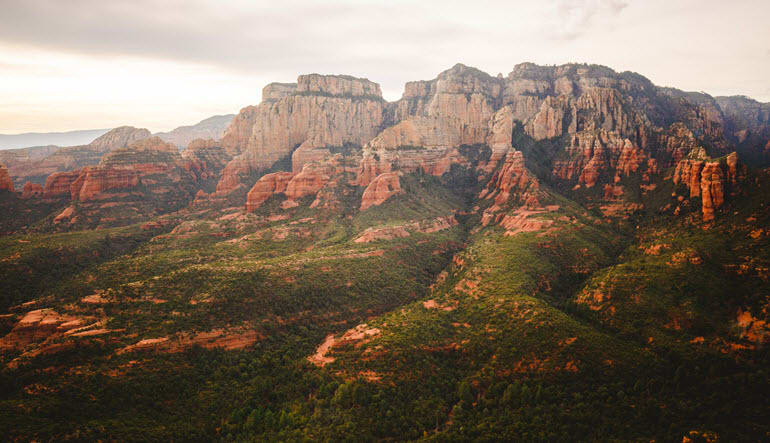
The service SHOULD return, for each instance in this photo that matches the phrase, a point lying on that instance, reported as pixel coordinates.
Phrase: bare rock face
(500, 137)
(6, 184)
(120, 137)
(237, 135)
(512, 183)
(31, 190)
(462, 94)
(147, 177)
(309, 181)
(206, 158)
(337, 85)
(592, 154)
(434, 161)
(380, 189)
(265, 187)
(711, 180)
(94, 181)
(36, 326)
(57, 185)
(688, 172)
(434, 118)
(596, 109)
(712, 189)
(276, 91)
(210, 128)
(322, 111)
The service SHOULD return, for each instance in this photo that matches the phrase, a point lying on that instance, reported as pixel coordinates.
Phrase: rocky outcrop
(265, 187)
(380, 189)
(712, 189)
(120, 137)
(406, 229)
(337, 85)
(57, 185)
(512, 183)
(37, 326)
(319, 179)
(31, 190)
(592, 154)
(236, 136)
(6, 184)
(210, 128)
(711, 180)
(323, 111)
(93, 182)
(206, 158)
(309, 181)
(276, 91)
(464, 95)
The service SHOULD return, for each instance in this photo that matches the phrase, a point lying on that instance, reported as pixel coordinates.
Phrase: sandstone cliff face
(462, 94)
(322, 111)
(6, 184)
(319, 179)
(210, 128)
(57, 185)
(511, 184)
(613, 125)
(712, 189)
(380, 189)
(595, 109)
(206, 158)
(236, 135)
(434, 161)
(265, 187)
(120, 137)
(711, 180)
(592, 154)
(147, 177)
(93, 182)
(31, 190)
(276, 91)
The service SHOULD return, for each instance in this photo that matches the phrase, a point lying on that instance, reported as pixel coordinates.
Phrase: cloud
(574, 18)
(216, 55)
(237, 35)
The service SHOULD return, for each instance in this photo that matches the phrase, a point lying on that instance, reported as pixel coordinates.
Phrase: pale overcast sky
(80, 64)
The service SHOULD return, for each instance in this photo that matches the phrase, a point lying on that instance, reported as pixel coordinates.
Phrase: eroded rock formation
(265, 187)
(322, 111)
(380, 189)
(6, 184)
(31, 190)
(711, 180)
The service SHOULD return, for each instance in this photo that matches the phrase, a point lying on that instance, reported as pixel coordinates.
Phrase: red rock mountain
(606, 133)
(607, 127)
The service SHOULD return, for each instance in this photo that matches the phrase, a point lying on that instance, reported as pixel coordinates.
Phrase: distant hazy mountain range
(212, 127)
(69, 138)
